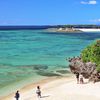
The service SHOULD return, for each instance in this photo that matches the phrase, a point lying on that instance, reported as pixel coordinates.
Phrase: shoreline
(33, 85)
(32, 78)
(18, 85)
(73, 30)
(59, 88)
(89, 30)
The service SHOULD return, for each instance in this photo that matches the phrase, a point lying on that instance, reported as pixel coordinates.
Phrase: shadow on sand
(45, 96)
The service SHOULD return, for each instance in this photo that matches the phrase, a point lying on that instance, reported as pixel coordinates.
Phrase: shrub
(92, 54)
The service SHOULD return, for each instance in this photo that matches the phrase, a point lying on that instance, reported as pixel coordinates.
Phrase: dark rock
(35, 67)
(88, 70)
(48, 74)
(63, 71)
(40, 67)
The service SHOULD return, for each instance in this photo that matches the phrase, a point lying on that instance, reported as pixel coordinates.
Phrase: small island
(65, 30)
(74, 28)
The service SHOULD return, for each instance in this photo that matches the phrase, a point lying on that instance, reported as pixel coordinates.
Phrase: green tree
(92, 54)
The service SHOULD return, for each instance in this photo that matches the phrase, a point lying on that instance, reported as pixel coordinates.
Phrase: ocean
(37, 54)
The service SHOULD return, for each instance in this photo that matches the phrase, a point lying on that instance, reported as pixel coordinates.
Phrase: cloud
(95, 20)
(90, 2)
(93, 2)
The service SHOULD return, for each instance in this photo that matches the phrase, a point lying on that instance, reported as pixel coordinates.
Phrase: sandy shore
(60, 89)
(88, 30)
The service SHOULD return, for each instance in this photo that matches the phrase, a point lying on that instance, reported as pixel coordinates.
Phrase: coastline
(63, 30)
(48, 80)
(33, 85)
(89, 30)
(26, 81)
(73, 30)
(11, 87)
(59, 88)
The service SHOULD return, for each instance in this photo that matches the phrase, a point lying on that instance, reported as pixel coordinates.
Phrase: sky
(49, 12)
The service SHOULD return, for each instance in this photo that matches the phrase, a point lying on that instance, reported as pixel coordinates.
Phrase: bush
(92, 54)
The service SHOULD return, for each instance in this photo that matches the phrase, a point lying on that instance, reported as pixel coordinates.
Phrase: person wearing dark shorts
(77, 77)
(38, 92)
(17, 95)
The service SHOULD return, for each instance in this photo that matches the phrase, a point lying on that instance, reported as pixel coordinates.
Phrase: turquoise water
(38, 53)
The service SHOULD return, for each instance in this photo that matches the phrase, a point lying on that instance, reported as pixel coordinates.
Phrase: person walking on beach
(77, 77)
(17, 95)
(38, 92)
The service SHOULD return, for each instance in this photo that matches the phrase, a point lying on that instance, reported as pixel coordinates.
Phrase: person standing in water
(38, 92)
(17, 95)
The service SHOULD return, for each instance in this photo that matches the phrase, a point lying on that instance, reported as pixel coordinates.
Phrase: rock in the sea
(47, 74)
(40, 67)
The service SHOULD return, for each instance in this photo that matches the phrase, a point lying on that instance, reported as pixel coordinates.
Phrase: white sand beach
(89, 30)
(60, 89)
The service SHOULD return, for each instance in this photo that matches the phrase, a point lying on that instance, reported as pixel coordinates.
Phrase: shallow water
(36, 53)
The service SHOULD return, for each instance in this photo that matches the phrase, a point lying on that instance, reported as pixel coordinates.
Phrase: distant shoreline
(73, 30)
(65, 30)
(42, 27)
(89, 30)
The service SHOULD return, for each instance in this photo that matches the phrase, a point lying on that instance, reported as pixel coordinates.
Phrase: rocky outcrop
(88, 70)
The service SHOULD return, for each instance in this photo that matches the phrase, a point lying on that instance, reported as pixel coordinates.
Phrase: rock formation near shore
(88, 70)
(89, 63)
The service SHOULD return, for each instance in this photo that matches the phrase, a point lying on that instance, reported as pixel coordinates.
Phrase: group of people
(79, 78)
(38, 92)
